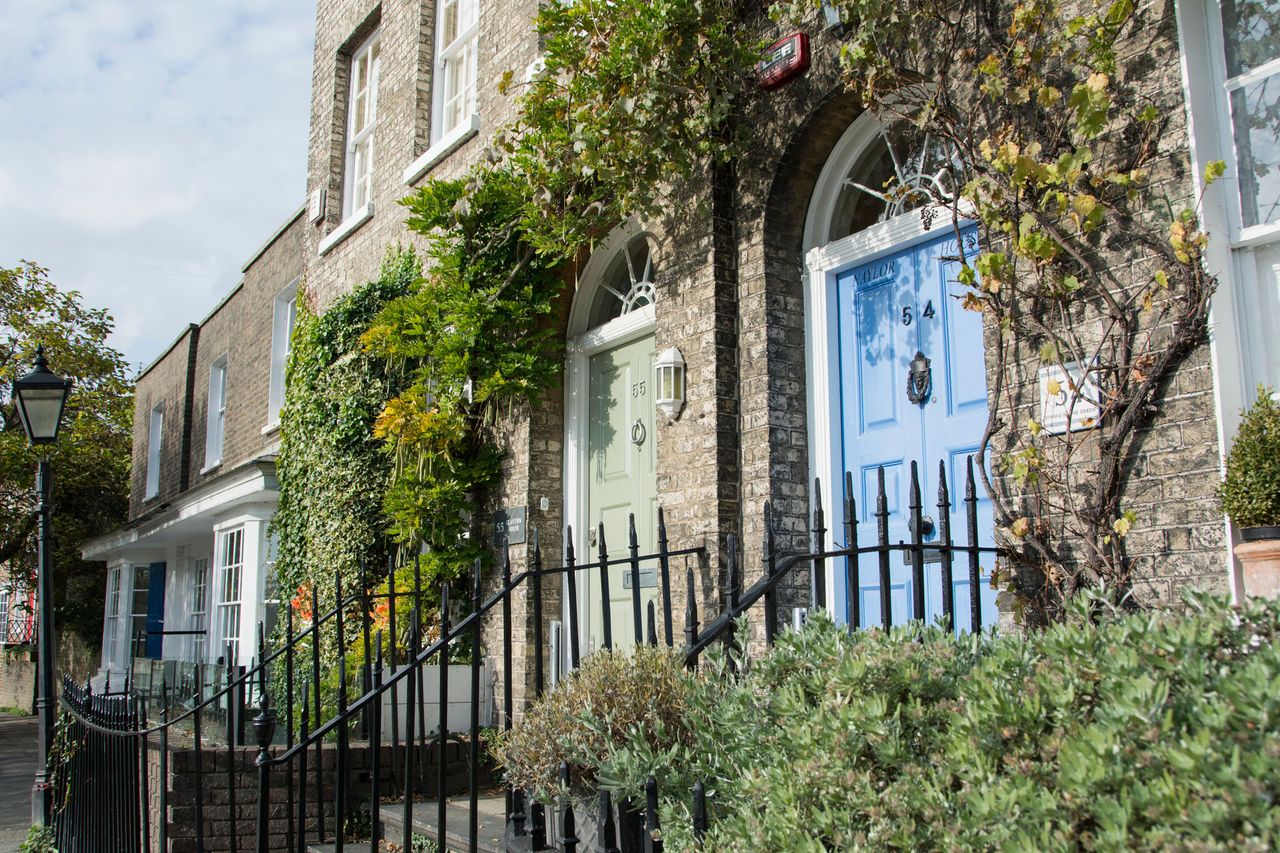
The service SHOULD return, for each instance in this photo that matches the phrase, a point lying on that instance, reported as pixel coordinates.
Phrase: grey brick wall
(241, 330)
(166, 382)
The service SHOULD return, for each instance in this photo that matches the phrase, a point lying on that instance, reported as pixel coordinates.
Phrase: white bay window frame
(199, 609)
(111, 618)
(228, 582)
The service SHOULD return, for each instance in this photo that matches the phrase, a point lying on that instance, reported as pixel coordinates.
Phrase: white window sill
(1258, 235)
(272, 427)
(209, 467)
(445, 146)
(348, 225)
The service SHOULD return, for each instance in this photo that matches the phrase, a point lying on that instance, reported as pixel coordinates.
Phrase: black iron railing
(320, 752)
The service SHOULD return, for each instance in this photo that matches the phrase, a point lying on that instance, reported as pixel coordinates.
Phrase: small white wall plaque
(315, 204)
(1068, 401)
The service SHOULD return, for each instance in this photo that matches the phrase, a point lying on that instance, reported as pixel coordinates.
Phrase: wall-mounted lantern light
(671, 381)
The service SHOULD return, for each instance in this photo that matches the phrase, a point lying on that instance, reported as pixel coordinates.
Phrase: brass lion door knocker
(919, 379)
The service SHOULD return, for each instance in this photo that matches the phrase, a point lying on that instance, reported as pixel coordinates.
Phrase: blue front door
(890, 310)
(155, 612)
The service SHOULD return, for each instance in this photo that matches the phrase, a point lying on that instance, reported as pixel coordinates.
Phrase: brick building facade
(188, 575)
(748, 287)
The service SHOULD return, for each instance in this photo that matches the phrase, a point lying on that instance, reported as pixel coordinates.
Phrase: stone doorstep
(492, 825)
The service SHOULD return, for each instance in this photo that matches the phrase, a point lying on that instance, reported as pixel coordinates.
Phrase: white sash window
(362, 117)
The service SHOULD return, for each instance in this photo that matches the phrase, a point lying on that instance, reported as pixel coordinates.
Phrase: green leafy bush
(614, 697)
(40, 839)
(1110, 732)
(1250, 491)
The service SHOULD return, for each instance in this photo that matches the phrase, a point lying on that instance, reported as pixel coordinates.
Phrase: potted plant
(1250, 494)
(579, 723)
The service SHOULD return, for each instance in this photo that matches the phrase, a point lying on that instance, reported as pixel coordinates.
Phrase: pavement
(18, 751)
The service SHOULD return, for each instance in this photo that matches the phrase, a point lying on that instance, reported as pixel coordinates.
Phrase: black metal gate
(97, 798)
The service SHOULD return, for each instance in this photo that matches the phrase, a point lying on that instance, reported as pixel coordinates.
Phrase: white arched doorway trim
(823, 261)
(583, 343)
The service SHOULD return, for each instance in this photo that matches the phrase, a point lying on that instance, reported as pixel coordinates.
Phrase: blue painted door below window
(155, 612)
(890, 309)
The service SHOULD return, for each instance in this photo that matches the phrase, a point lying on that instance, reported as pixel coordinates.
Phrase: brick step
(492, 825)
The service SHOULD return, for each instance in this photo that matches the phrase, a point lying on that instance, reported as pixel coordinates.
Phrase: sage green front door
(621, 480)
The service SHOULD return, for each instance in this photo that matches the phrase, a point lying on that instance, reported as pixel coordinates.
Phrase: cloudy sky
(147, 149)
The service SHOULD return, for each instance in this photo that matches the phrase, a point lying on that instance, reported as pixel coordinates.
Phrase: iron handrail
(712, 631)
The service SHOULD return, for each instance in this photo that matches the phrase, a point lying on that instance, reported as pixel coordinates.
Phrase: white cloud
(148, 149)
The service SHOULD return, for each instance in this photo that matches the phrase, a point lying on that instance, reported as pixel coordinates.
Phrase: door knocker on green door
(638, 433)
(919, 379)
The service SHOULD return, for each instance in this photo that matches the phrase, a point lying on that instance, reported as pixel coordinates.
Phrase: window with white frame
(362, 117)
(1232, 77)
(457, 39)
(229, 561)
(199, 608)
(111, 624)
(155, 435)
(1251, 47)
(4, 616)
(217, 415)
(286, 316)
(138, 613)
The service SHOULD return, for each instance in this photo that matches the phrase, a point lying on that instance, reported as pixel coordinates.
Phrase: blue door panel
(877, 355)
(888, 310)
(155, 612)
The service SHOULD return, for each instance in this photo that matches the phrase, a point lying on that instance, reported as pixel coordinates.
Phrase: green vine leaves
(1090, 266)
(332, 473)
(632, 97)
(470, 338)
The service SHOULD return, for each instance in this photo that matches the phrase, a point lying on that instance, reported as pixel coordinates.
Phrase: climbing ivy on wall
(470, 338)
(1090, 262)
(331, 470)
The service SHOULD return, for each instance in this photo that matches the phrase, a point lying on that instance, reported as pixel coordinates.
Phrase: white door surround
(582, 344)
(823, 260)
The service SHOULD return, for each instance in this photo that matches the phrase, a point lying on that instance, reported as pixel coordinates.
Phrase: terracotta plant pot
(1259, 555)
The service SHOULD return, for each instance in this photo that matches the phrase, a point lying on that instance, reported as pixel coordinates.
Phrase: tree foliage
(470, 338)
(90, 462)
(1091, 251)
(633, 98)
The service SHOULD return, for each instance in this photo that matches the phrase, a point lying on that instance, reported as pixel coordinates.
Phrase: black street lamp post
(41, 396)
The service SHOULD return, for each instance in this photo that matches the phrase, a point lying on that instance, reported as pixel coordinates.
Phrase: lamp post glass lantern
(41, 396)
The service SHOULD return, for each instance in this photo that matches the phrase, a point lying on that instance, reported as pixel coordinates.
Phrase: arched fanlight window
(901, 170)
(627, 283)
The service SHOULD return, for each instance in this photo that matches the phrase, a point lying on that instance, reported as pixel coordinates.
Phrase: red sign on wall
(786, 59)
